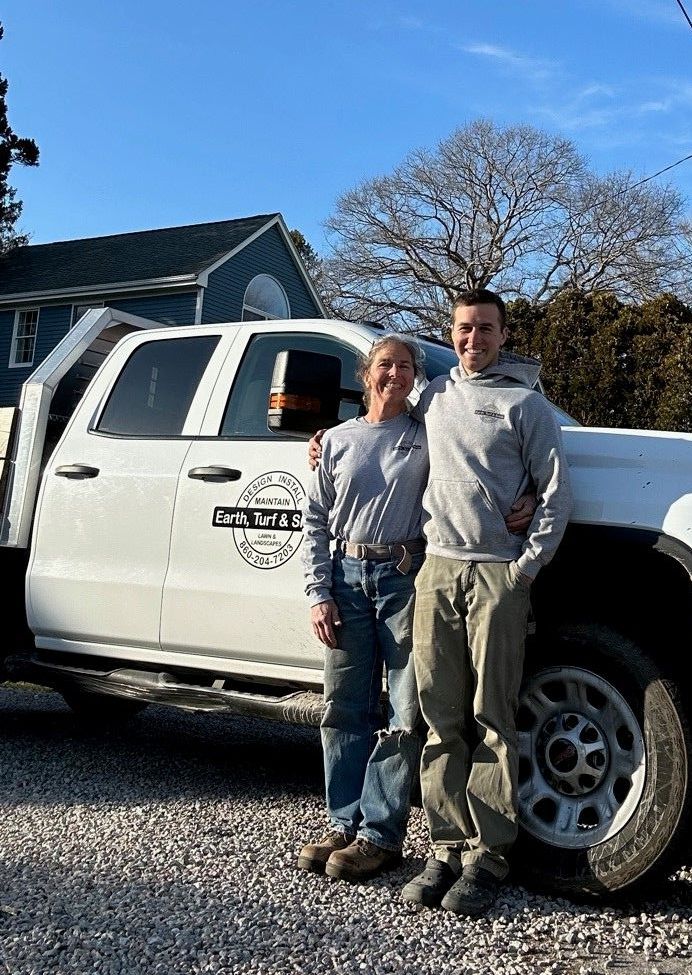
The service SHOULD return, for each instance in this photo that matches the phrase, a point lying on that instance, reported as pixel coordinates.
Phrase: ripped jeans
(370, 761)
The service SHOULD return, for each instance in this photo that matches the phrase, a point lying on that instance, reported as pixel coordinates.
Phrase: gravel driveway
(168, 847)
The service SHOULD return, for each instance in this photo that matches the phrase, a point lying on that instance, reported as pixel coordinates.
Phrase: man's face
(478, 336)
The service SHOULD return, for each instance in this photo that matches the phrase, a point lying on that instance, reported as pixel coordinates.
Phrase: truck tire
(101, 709)
(605, 790)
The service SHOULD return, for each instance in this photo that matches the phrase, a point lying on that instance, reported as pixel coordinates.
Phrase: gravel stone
(167, 846)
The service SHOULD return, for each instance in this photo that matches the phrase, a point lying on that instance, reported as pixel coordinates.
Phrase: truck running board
(302, 707)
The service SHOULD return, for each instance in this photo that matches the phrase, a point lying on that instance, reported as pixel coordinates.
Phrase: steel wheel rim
(582, 758)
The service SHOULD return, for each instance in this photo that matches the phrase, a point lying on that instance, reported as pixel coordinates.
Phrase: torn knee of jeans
(385, 734)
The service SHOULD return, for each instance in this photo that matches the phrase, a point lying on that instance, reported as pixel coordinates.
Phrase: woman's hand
(314, 449)
(521, 514)
(325, 619)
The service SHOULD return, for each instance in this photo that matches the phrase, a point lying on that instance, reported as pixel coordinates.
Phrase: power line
(627, 189)
(679, 3)
(661, 171)
(632, 186)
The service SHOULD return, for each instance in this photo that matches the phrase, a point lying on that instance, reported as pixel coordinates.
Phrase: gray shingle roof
(139, 256)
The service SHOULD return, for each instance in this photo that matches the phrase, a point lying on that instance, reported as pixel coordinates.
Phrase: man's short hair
(481, 296)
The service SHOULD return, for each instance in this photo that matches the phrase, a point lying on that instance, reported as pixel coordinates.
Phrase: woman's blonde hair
(391, 338)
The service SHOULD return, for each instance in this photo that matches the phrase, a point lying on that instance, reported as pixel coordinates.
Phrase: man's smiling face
(478, 336)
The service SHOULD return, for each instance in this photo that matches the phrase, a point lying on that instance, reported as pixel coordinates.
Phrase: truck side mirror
(305, 392)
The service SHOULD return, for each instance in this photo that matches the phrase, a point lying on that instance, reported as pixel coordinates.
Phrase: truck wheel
(604, 766)
(101, 709)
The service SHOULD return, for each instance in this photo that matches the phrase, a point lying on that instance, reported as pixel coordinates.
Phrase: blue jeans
(369, 768)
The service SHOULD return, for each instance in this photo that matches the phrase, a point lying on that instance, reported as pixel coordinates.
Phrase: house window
(79, 310)
(24, 337)
(264, 299)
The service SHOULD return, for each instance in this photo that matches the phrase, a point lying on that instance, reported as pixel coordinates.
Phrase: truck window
(246, 410)
(153, 393)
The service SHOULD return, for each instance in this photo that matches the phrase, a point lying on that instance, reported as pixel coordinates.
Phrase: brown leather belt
(397, 550)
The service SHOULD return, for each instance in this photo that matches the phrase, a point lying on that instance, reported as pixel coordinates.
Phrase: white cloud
(660, 106)
(594, 90)
(534, 68)
(411, 23)
(572, 117)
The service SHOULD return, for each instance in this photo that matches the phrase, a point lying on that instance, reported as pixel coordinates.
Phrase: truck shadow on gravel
(160, 754)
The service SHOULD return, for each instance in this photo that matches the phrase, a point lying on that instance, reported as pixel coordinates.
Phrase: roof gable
(169, 252)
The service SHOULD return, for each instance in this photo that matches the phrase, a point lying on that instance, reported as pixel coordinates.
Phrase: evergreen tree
(662, 365)
(13, 150)
(611, 364)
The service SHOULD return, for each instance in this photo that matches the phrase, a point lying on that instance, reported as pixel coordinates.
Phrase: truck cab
(164, 565)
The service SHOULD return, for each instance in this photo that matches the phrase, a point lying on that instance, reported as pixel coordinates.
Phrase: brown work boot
(361, 860)
(313, 856)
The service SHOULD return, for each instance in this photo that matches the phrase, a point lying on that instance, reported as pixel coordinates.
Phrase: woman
(366, 494)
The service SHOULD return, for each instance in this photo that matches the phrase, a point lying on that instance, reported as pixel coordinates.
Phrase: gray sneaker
(314, 856)
(430, 886)
(473, 894)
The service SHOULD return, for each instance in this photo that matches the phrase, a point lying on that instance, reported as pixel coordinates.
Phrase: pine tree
(13, 150)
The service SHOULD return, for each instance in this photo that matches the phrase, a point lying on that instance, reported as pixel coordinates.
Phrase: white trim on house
(108, 288)
(203, 276)
(199, 304)
(299, 262)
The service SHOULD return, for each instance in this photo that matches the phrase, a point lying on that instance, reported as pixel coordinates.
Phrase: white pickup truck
(158, 543)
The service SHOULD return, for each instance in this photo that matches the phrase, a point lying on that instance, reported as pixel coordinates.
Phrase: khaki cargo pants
(469, 629)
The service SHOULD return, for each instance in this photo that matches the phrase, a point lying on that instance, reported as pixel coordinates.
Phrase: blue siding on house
(53, 323)
(171, 309)
(8, 383)
(223, 297)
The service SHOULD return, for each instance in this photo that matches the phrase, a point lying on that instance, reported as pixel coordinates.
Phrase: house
(229, 270)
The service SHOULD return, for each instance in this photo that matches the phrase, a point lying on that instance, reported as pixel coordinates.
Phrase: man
(491, 436)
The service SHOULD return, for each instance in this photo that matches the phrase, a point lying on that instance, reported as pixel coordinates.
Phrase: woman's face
(391, 375)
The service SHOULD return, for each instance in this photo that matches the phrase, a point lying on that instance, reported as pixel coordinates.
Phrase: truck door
(234, 589)
(102, 532)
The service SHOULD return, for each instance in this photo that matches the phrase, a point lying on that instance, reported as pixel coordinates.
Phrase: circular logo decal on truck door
(267, 523)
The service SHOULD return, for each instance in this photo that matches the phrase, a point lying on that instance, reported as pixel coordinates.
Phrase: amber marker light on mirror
(289, 401)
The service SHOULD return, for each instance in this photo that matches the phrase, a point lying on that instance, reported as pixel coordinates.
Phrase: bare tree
(513, 208)
(619, 237)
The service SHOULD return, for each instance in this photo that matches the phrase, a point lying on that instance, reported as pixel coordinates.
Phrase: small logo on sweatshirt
(490, 413)
(407, 446)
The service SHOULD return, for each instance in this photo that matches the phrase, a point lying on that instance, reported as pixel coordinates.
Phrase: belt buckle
(361, 552)
(405, 563)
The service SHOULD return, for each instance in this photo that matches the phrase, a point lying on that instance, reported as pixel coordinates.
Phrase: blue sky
(156, 113)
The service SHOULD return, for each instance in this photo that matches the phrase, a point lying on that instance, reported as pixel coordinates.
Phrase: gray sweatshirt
(491, 437)
(367, 488)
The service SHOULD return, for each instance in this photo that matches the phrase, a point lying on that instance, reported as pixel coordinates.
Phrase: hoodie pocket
(461, 514)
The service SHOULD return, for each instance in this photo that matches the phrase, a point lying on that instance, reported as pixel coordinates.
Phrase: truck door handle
(77, 472)
(214, 473)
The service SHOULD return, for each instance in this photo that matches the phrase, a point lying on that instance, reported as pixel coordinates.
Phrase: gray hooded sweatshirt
(492, 438)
